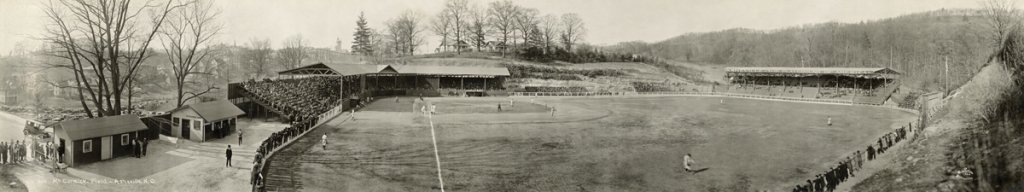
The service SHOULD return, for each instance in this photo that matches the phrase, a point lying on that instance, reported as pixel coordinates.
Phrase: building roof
(807, 71)
(357, 69)
(213, 110)
(99, 127)
(452, 70)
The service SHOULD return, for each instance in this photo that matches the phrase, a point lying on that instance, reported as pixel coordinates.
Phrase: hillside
(598, 77)
(915, 44)
(974, 144)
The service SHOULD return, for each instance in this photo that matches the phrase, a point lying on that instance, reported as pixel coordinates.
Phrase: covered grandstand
(855, 85)
(310, 89)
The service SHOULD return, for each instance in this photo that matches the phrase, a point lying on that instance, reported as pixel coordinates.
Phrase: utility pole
(890, 57)
(945, 62)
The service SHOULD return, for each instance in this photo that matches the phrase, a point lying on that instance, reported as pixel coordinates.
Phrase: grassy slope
(634, 72)
(923, 165)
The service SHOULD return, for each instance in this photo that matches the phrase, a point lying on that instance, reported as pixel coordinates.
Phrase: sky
(323, 22)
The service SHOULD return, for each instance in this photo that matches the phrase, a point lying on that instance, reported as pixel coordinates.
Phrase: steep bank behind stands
(974, 144)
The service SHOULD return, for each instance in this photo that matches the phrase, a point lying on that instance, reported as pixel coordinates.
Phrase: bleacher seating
(296, 98)
(875, 96)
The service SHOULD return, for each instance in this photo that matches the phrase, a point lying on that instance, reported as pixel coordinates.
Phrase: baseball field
(586, 144)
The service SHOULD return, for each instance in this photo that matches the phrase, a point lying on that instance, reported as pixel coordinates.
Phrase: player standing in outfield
(228, 154)
(688, 162)
(433, 109)
(323, 141)
(829, 120)
(499, 107)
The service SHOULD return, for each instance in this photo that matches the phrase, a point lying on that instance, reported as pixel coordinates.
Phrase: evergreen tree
(362, 44)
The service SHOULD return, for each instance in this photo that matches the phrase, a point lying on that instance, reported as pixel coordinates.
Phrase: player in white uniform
(323, 141)
(688, 162)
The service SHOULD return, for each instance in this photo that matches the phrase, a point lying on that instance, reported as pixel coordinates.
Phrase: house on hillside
(204, 121)
(91, 140)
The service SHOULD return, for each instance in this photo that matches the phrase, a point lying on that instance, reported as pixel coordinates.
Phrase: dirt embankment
(975, 143)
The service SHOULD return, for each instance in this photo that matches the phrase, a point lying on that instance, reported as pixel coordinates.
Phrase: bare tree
(258, 56)
(572, 30)
(378, 40)
(293, 52)
(478, 27)
(104, 43)
(458, 12)
(549, 29)
(1001, 17)
(405, 33)
(526, 21)
(186, 40)
(502, 19)
(393, 37)
(441, 25)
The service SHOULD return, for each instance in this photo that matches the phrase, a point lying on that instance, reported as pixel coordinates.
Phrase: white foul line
(436, 156)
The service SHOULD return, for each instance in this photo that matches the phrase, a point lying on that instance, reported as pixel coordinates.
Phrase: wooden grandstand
(856, 85)
(349, 84)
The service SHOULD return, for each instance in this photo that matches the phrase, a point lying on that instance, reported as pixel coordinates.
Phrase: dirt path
(881, 162)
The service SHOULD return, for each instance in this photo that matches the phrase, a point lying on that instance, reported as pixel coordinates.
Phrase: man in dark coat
(145, 145)
(3, 152)
(228, 154)
(60, 153)
(871, 152)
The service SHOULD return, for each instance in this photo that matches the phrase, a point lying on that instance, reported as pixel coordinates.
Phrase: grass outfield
(590, 144)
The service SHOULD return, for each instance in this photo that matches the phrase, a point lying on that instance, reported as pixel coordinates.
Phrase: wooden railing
(541, 94)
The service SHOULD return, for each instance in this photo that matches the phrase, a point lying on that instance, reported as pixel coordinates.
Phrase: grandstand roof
(357, 69)
(812, 71)
(452, 70)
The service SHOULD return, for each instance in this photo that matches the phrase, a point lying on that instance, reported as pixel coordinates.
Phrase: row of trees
(920, 45)
(501, 26)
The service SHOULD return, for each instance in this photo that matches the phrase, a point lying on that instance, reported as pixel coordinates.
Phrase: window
(196, 125)
(124, 139)
(175, 121)
(86, 146)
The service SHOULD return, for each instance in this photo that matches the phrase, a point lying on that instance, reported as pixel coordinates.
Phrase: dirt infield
(588, 144)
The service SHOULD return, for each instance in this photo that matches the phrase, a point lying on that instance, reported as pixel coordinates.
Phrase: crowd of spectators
(279, 139)
(276, 140)
(297, 98)
(659, 87)
(851, 164)
(554, 89)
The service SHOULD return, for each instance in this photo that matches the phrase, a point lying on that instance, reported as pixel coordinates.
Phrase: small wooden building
(204, 121)
(96, 139)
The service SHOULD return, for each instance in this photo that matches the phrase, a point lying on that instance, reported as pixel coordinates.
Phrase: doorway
(105, 148)
(186, 127)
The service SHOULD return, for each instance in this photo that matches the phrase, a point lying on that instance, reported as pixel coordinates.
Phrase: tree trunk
(181, 93)
(130, 93)
(81, 97)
